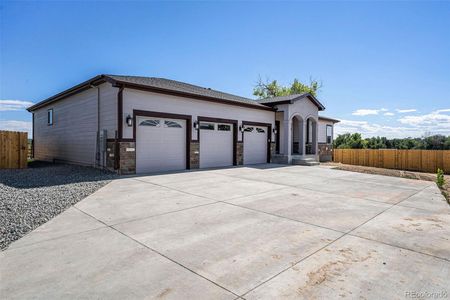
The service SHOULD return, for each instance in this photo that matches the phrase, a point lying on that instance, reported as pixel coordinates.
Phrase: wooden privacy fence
(408, 160)
(13, 150)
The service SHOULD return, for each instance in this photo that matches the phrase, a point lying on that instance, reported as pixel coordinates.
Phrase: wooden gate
(13, 150)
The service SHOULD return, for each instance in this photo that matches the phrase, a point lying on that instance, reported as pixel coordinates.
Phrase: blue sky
(385, 66)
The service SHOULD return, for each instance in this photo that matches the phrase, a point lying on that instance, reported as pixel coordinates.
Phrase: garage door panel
(255, 145)
(160, 144)
(216, 145)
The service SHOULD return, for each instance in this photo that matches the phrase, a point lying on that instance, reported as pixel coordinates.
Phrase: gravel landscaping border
(30, 197)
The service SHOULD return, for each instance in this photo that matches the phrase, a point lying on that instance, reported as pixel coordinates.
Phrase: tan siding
(72, 137)
(108, 108)
(323, 130)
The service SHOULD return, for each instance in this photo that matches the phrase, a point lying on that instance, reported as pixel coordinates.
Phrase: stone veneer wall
(110, 156)
(325, 152)
(273, 150)
(127, 163)
(240, 153)
(194, 156)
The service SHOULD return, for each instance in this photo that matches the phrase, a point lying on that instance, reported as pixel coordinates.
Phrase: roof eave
(316, 101)
(310, 96)
(99, 79)
(329, 119)
(190, 95)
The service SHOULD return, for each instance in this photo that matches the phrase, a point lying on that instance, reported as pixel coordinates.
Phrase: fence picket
(409, 160)
(13, 150)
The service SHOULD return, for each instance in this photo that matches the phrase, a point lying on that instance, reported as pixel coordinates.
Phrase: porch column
(302, 145)
(287, 136)
(314, 138)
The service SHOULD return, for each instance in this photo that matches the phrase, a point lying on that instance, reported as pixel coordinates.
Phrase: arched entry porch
(311, 136)
(298, 139)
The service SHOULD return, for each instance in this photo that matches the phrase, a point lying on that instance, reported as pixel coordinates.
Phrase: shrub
(440, 181)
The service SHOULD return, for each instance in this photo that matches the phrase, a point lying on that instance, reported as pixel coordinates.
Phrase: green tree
(447, 143)
(354, 141)
(349, 141)
(268, 89)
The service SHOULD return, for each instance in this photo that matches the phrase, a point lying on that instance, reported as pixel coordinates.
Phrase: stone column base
(194, 155)
(127, 158)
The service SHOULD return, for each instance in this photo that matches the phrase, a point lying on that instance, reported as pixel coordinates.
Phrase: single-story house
(144, 124)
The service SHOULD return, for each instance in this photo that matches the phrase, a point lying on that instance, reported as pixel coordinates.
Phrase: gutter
(116, 83)
(99, 79)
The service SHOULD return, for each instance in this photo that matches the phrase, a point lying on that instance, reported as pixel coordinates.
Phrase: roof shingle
(172, 85)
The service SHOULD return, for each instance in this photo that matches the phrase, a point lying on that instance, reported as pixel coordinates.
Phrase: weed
(440, 181)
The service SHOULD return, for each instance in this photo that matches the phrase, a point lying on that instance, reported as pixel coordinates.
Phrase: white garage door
(255, 145)
(160, 144)
(216, 145)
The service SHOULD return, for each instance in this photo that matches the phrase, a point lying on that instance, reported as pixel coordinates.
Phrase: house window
(248, 129)
(329, 134)
(172, 124)
(223, 127)
(260, 130)
(153, 123)
(50, 117)
(206, 126)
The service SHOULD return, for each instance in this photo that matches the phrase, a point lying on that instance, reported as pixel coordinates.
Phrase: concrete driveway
(267, 231)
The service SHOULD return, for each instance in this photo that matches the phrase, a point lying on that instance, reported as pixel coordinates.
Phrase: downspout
(119, 132)
(97, 144)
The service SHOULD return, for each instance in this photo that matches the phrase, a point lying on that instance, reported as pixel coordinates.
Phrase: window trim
(228, 126)
(50, 117)
(207, 124)
(144, 123)
(172, 124)
(329, 136)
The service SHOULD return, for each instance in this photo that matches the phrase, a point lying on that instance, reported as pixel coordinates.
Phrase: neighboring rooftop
(291, 98)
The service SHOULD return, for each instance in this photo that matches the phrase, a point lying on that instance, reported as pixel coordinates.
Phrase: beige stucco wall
(142, 100)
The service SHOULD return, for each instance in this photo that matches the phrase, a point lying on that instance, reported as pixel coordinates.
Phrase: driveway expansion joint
(159, 253)
(330, 243)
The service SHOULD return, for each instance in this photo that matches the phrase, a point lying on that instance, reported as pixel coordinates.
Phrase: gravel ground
(30, 197)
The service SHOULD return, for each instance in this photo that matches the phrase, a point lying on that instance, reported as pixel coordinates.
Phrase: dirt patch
(164, 293)
(332, 269)
(394, 173)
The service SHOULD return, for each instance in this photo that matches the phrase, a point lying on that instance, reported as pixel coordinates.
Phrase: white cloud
(9, 105)
(365, 112)
(372, 129)
(434, 119)
(13, 125)
(402, 111)
(436, 122)
(389, 114)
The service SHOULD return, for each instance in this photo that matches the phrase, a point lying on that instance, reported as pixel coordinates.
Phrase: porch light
(129, 121)
(241, 128)
(196, 125)
(275, 131)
